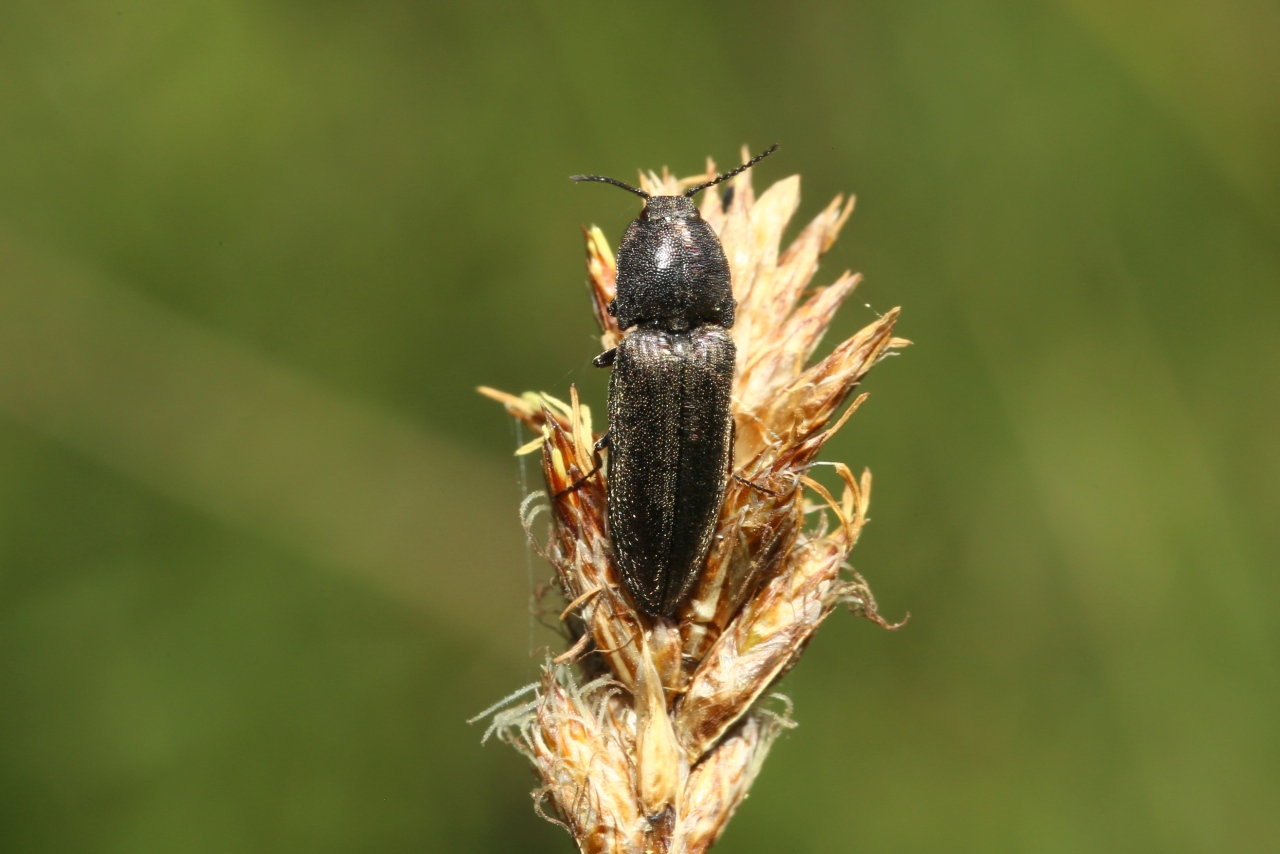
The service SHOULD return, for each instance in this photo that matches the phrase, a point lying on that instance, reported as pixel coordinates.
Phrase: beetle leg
(757, 487)
(733, 435)
(601, 443)
(605, 359)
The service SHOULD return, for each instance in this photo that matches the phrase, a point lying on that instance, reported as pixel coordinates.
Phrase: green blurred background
(259, 549)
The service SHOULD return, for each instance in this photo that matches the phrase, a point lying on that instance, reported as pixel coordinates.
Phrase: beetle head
(669, 208)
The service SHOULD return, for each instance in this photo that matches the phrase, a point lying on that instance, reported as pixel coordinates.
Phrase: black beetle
(670, 434)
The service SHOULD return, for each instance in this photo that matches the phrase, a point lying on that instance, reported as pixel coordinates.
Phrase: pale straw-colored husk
(648, 732)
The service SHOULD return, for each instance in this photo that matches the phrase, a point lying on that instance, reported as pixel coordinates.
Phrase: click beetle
(670, 435)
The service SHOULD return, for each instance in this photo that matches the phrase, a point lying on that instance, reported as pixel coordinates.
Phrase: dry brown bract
(658, 748)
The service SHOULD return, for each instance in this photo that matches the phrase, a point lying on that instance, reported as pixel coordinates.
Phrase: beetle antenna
(614, 181)
(693, 191)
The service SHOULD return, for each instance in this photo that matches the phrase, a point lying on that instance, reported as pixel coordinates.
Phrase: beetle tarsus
(757, 487)
(601, 443)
